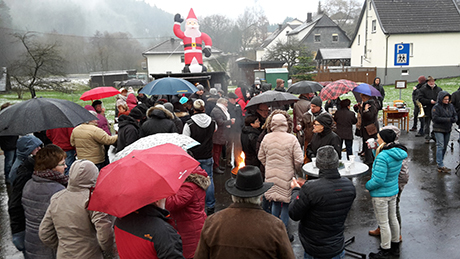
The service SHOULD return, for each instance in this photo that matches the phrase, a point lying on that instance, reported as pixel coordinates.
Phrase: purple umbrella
(367, 90)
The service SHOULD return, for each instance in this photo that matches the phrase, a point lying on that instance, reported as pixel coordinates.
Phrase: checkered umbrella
(336, 89)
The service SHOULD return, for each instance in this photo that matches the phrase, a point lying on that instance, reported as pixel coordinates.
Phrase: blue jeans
(10, 156)
(70, 158)
(281, 210)
(348, 146)
(442, 141)
(206, 164)
(339, 256)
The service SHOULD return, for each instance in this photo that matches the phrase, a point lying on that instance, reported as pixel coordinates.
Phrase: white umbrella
(183, 141)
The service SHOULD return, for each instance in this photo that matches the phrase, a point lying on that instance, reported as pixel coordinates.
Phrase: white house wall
(432, 53)
(282, 37)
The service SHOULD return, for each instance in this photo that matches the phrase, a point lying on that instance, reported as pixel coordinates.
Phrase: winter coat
(300, 107)
(35, 200)
(201, 128)
(249, 136)
(8, 143)
(326, 137)
(128, 131)
(61, 137)
(307, 124)
(68, 226)
(322, 207)
(443, 115)
(403, 177)
(344, 119)
(102, 121)
(456, 101)
(15, 208)
(187, 209)
(425, 95)
(89, 141)
(385, 171)
(282, 156)
(235, 112)
(243, 231)
(131, 101)
(380, 88)
(159, 120)
(211, 103)
(25, 145)
(146, 234)
(415, 92)
(368, 117)
(220, 136)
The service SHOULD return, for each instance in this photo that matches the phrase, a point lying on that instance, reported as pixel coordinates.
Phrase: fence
(356, 74)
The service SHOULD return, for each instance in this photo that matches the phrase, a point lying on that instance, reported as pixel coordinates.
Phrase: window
(374, 26)
(335, 37)
(405, 72)
(370, 5)
(182, 59)
(317, 37)
(359, 39)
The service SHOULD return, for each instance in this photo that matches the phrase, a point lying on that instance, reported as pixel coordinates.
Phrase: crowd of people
(51, 183)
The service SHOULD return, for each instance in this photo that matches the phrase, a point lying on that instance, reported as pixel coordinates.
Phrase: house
(408, 38)
(279, 35)
(168, 56)
(320, 32)
(333, 57)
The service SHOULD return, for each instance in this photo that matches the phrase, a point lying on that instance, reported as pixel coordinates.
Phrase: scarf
(53, 175)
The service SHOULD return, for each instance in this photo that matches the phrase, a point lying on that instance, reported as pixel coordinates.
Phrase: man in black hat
(322, 207)
(244, 229)
(428, 95)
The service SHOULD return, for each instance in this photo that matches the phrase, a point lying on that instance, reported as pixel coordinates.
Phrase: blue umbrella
(168, 86)
(367, 90)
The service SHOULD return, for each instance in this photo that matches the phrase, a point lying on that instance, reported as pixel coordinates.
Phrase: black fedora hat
(248, 183)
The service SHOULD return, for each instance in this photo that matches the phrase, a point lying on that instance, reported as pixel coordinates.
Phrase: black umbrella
(272, 98)
(304, 87)
(39, 114)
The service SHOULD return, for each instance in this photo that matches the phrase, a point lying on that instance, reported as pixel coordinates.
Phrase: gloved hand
(207, 52)
(177, 18)
(18, 240)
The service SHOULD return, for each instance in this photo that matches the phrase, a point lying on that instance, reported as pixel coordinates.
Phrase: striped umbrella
(335, 89)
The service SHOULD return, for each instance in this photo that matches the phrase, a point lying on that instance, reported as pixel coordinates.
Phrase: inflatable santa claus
(195, 43)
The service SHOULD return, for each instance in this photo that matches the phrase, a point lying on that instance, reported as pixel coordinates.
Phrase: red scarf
(53, 175)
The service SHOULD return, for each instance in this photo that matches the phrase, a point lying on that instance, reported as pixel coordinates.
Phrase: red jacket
(241, 100)
(187, 210)
(131, 101)
(61, 137)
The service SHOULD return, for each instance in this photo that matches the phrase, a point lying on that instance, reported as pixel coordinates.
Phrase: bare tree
(39, 61)
(221, 29)
(253, 27)
(289, 52)
(343, 12)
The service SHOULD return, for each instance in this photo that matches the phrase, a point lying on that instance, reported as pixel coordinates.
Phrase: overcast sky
(275, 10)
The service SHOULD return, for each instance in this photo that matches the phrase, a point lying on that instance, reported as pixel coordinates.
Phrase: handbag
(371, 129)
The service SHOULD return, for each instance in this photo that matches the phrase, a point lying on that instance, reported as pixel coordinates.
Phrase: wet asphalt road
(430, 207)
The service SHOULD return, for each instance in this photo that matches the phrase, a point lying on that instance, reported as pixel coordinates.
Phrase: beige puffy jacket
(69, 227)
(281, 155)
(89, 141)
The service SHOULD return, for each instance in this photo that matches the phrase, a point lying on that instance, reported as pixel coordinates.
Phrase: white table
(356, 169)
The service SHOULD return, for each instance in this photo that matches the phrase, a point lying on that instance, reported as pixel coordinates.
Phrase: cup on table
(351, 158)
(313, 160)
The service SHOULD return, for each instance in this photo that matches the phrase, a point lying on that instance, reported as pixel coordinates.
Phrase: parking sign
(402, 51)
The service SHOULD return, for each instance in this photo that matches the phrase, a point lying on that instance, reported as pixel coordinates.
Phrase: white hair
(251, 200)
(222, 101)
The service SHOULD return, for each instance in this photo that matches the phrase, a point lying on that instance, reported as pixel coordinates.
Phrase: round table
(356, 169)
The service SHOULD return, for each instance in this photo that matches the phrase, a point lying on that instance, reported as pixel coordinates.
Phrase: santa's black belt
(192, 45)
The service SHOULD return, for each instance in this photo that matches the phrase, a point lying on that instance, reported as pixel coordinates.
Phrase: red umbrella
(99, 93)
(140, 178)
(336, 89)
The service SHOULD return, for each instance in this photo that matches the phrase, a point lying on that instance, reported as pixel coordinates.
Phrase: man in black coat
(428, 95)
(234, 138)
(322, 207)
(128, 130)
(159, 120)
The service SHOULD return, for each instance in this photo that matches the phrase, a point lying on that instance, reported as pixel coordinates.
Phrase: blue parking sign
(402, 51)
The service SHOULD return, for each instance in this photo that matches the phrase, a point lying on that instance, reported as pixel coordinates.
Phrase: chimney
(280, 26)
(309, 19)
(172, 40)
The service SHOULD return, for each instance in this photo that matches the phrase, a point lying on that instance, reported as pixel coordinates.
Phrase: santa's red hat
(191, 15)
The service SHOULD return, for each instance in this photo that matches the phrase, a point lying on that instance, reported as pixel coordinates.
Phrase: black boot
(394, 250)
(382, 254)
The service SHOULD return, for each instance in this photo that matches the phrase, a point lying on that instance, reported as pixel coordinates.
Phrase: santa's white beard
(192, 32)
